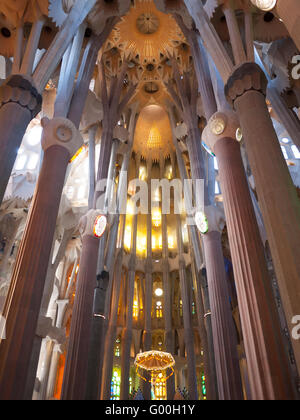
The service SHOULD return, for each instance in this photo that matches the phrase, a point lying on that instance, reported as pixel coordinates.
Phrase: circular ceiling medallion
(147, 23)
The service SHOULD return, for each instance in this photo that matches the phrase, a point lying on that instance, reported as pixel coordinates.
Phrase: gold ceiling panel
(147, 32)
(153, 135)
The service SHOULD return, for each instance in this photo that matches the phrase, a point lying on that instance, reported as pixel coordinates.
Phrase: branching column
(187, 321)
(266, 358)
(76, 369)
(111, 334)
(127, 331)
(169, 336)
(60, 142)
(147, 337)
(206, 335)
(276, 192)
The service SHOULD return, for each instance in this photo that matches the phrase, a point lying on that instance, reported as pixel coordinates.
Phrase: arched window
(160, 392)
(159, 309)
(115, 385)
(118, 347)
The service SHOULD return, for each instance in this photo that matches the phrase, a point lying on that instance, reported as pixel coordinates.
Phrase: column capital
(20, 89)
(61, 132)
(247, 77)
(222, 124)
(93, 224)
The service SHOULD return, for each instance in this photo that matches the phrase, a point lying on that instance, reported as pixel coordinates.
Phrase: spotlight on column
(202, 222)
(265, 5)
(100, 226)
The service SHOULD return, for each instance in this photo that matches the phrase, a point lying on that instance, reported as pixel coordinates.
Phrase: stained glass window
(115, 385)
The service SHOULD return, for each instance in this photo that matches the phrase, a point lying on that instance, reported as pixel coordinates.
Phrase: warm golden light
(156, 218)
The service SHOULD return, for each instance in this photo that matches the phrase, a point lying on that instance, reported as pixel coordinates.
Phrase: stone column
(20, 102)
(224, 334)
(76, 369)
(167, 311)
(225, 342)
(60, 141)
(187, 321)
(280, 206)
(147, 337)
(57, 351)
(127, 331)
(209, 358)
(111, 335)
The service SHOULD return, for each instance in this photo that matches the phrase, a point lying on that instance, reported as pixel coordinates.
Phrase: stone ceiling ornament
(153, 135)
(147, 23)
(147, 32)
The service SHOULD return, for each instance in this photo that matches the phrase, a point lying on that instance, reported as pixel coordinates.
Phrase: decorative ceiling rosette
(150, 33)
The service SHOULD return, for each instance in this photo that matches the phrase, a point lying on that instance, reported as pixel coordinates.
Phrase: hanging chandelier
(156, 363)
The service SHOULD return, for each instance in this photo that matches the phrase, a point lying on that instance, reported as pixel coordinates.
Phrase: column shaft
(224, 335)
(24, 299)
(278, 199)
(75, 376)
(266, 359)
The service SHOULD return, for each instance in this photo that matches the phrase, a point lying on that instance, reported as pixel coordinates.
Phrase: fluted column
(127, 331)
(187, 321)
(225, 342)
(60, 141)
(76, 369)
(169, 336)
(206, 337)
(224, 334)
(147, 336)
(57, 351)
(111, 335)
(276, 192)
(20, 102)
(266, 358)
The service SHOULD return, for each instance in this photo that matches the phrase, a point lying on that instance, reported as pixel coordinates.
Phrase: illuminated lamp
(156, 363)
(100, 226)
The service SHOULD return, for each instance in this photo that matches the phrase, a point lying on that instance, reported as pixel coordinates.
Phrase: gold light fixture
(155, 362)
